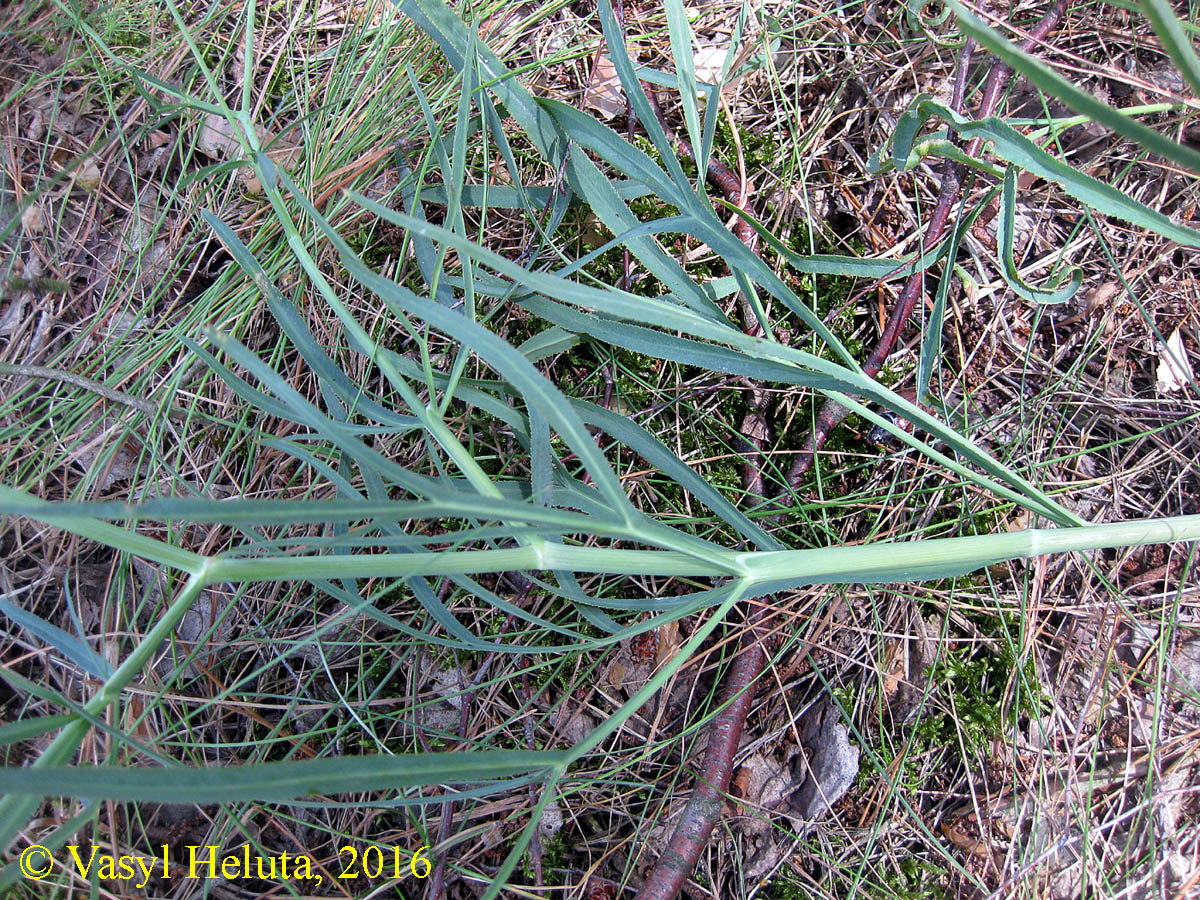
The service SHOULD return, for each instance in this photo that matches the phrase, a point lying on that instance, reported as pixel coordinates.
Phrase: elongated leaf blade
(1056, 86)
(277, 781)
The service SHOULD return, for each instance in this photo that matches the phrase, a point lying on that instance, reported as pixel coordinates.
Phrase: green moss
(369, 247)
(380, 668)
(912, 878)
(915, 879)
(761, 152)
(555, 851)
(976, 678)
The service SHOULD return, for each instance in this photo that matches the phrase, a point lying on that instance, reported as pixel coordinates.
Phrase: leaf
(604, 94)
(682, 42)
(1015, 148)
(297, 331)
(276, 781)
(1005, 227)
(1175, 42)
(535, 387)
(23, 729)
(656, 453)
(615, 36)
(1055, 85)
(585, 179)
(67, 645)
(931, 345)
(547, 343)
(54, 841)
(1174, 369)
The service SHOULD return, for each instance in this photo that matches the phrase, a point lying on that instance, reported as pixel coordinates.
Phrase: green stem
(866, 563)
(920, 560)
(545, 557)
(16, 809)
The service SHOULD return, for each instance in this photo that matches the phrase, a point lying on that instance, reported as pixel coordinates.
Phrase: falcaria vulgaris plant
(398, 539)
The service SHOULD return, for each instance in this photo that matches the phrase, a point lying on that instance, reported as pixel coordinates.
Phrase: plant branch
(832, 413)
(703, 808)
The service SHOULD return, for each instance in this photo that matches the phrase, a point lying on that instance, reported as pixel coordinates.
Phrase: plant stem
(15, 809)
(95, 387)
(832, 413)
(703, 809)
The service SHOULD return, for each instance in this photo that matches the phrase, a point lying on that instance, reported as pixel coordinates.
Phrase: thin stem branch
(48, 374)
(703, 808)
(832, 413)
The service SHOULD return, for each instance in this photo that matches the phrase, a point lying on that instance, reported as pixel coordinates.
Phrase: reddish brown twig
(703, 809)
(832, 413)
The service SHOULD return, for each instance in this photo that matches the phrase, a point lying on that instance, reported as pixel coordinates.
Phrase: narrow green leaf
(24, 729)
(548, 343)
(1057, 86)
(1170, 31)
(682, 50)
(497, 352)
(541, 458)
(145, 80)
(931, 345)
(606, 143)
(103, 532)
(829, 264)
(1015, 148)
(299, 409)
(55, 841)
(637, 439)
(1005, 232)
(425, 253)
(530, 198)
(457, 173)
(298, 332)
(278, 781)
(585, 179)
(70, 647)
(619, 54)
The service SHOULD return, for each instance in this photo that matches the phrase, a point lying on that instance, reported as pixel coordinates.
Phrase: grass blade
(1056, 86)
(277, 781)
(1005, 228)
